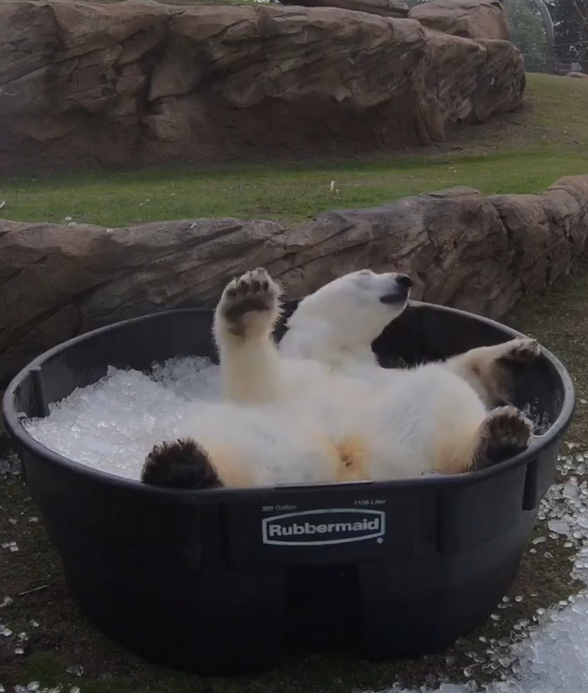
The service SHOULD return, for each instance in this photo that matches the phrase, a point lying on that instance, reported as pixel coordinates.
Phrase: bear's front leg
(243, 324)
(487, 368)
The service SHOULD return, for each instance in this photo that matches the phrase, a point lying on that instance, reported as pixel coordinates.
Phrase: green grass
(523, 152)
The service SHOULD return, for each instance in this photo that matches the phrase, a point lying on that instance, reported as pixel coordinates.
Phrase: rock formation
(384, 8)
(473, 19)
(463, 249)
(140, 83)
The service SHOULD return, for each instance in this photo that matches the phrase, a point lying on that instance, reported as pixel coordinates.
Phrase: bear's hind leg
(243, 324)
(183, 464)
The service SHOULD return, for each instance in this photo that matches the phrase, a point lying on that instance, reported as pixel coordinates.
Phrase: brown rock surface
(139, 83)
(384, 8)
(473, 19)
(462, 249)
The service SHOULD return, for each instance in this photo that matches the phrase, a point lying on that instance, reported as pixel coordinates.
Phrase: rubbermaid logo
(323, 527)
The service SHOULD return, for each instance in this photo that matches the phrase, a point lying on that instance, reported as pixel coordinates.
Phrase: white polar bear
(322, 409)
(337, 325)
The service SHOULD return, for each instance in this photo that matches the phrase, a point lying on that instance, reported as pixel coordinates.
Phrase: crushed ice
(113, 424)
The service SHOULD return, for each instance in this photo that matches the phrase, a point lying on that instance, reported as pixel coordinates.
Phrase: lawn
(522, 152)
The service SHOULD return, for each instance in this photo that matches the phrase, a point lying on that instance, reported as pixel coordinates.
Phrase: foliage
(570, 18)
(527, 33)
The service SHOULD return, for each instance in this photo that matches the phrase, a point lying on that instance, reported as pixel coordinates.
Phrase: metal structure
(549, 31)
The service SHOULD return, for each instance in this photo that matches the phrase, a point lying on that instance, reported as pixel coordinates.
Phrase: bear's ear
(183, 465)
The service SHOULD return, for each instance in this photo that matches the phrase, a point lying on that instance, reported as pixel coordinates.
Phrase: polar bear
(337, 325)
(288, 420)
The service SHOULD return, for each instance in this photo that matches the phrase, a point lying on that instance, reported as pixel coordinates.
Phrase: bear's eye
(363, 279)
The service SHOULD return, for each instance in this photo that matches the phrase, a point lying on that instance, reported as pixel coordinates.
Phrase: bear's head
(346, 315)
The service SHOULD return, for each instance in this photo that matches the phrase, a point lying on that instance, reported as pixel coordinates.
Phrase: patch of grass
(44, 667)
(50, 671)
(559, 319)
(523, 152)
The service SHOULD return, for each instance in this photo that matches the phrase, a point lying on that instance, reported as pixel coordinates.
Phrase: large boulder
(463, 249)
(473, 19)
(140, 83)
(385, 8)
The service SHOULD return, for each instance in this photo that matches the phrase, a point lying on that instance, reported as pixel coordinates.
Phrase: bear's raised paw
(250, 303)
(522, 350)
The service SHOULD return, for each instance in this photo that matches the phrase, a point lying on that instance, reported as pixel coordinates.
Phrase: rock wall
(138, 83)
(385, 8)
(474, 19)
(462, 249)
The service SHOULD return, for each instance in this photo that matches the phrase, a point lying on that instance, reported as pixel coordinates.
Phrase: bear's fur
(321, 409)
(337, 325)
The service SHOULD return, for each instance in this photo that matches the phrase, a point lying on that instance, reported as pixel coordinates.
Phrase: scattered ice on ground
(552, 659)
(549, 655)
(10, 467)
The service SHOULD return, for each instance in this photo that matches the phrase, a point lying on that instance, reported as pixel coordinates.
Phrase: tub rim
(18, 433)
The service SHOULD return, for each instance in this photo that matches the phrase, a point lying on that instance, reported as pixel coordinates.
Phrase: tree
(528, 33)
(571, 29)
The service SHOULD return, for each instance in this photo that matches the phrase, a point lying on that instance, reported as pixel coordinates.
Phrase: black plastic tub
(193, 579)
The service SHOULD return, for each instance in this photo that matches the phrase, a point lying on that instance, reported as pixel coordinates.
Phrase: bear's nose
(404, 280)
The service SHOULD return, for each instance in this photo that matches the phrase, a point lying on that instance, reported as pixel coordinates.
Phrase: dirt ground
(61, 648)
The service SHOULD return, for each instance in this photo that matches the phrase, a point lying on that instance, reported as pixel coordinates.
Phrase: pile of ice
(113, 424)
(550, 653)
(553, 659)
